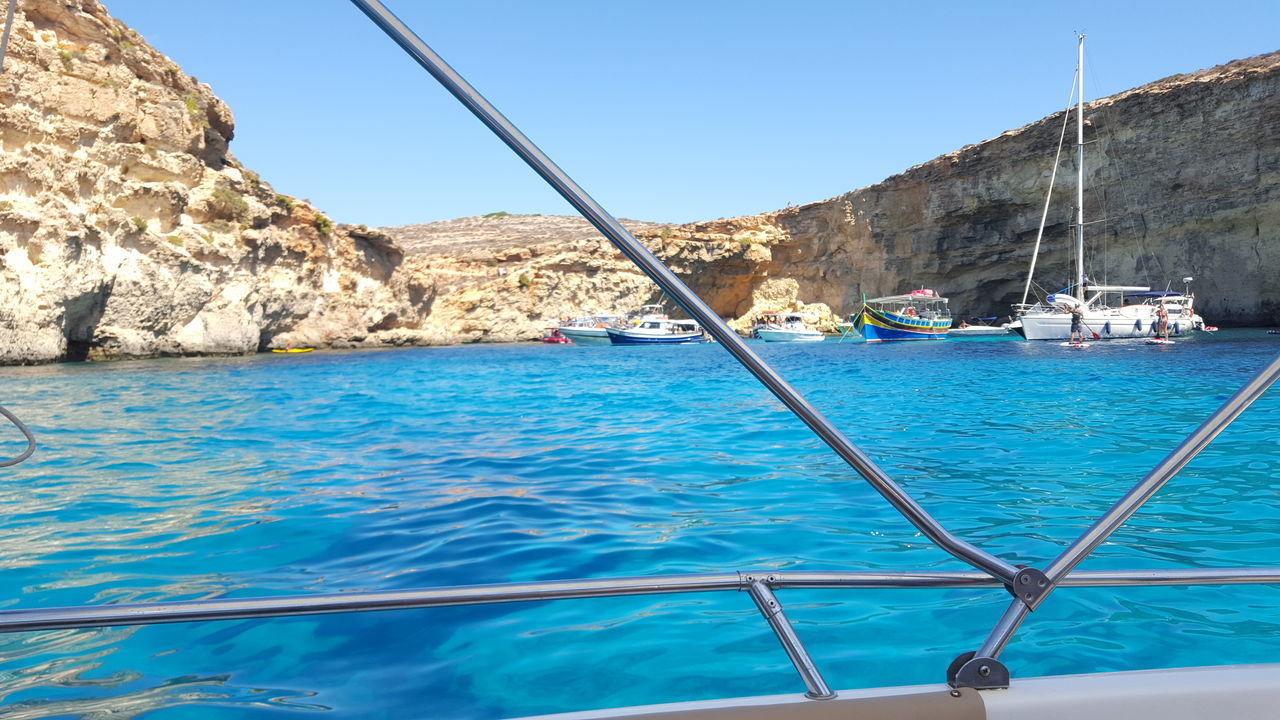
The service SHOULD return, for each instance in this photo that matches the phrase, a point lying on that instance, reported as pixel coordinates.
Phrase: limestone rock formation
(1183, 172)
(128, 230)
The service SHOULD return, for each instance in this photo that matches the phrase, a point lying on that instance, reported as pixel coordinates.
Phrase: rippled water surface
(332, 472)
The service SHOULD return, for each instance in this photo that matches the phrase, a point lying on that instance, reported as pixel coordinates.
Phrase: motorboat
(657, 332)
(786, 327)
(652, 311)
(553, 336)
(589, 329)
(919, 315)
(978, 327)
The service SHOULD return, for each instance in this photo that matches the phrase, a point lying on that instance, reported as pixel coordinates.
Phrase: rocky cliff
(127, 228)
(1182, 178)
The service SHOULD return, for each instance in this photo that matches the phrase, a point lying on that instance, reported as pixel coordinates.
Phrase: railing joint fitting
(978, 673)
(1030, 586)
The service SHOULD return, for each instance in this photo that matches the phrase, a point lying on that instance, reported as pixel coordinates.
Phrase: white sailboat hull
(1133, 321)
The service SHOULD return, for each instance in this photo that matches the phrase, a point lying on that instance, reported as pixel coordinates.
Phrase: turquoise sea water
(334, 472)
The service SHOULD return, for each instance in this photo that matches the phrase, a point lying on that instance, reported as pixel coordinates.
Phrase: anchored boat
(589, 329)
(786, 327)
(657, 332)
(918, 315)
(978, 327)
(1104, 313)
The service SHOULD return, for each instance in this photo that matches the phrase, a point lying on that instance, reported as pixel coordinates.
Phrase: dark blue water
(335, 472)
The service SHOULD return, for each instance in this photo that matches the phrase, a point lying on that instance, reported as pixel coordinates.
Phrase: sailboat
(1109, 311)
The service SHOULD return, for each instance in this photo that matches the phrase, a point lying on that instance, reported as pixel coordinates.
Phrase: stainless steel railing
(760, 586)
(979, 669)
(1028, 585)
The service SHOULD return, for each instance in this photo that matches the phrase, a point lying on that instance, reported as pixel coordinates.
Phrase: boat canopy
(1116, 288)
(908, 299)
(1154, 294)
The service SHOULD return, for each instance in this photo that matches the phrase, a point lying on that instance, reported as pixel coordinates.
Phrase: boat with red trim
(918, 315)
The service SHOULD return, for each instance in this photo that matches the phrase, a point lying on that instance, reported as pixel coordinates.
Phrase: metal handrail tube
(268, 607)
(1123, 508)
(837, 580)
(834, 580)
(677, 290)
(1002, 633)
(816, 687)
(84, 616)
(1154, 480)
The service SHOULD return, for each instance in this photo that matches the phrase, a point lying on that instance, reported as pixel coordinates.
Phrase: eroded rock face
(128, 230)
(1184, 171)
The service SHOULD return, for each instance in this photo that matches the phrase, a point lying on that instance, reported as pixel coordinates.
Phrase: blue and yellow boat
(918, 315)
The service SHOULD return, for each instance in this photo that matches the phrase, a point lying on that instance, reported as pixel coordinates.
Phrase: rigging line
(1044, 215)
(31, 441)
(666, 279)
(1126, 191)
(8, 25)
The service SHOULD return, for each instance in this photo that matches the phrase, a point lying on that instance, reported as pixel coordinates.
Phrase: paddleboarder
(1077, 322)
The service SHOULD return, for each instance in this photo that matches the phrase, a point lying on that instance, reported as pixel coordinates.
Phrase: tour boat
(657, 332)
(918, 315)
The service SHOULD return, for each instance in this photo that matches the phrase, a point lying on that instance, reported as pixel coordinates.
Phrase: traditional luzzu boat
(976, 685)
(918, 315)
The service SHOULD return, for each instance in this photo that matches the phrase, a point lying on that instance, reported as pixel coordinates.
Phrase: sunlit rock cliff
(1182, 178)
(127, 229)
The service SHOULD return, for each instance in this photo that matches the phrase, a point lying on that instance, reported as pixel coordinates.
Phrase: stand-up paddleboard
(293, 350)
(1076, 345)
(1158, 341)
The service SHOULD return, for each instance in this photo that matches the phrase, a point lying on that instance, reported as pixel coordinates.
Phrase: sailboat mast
(1080, 173)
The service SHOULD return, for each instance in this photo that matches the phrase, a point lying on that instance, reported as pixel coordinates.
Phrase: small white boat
(786, 327)
(589, 329)
(978, 327)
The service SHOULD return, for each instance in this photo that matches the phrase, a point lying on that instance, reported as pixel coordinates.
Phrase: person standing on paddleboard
(1077, 320)
(1162, 322)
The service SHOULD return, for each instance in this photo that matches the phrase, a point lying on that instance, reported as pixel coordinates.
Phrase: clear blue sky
(663, 110)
